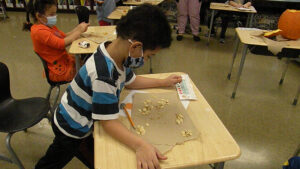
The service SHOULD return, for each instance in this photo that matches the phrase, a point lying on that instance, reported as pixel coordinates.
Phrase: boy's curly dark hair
(35, 6)
(147, 24)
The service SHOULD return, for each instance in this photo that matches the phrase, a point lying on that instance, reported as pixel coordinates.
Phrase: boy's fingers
(150, 165)
(144, 165)
(156, 163)
(139, 165)
(160, 156)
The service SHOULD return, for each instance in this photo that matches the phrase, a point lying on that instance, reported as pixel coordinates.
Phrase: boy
(94, 93)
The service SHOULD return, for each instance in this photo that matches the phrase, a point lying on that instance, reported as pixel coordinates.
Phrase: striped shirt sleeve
(130, 76)
(104, 100)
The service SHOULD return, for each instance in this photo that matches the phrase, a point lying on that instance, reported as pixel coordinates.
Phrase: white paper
(185, 89)
(244, 9)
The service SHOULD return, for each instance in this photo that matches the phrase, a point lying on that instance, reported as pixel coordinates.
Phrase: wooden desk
(76, 50)
(225, 7)
(119, 12)
(214, 146)
(134, 2)
(244, 36)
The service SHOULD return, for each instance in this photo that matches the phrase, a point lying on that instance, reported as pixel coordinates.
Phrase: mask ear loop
(130, 41)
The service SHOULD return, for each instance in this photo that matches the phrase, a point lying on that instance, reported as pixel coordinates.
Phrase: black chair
(52, 86)
(83, 14)
(17, 114)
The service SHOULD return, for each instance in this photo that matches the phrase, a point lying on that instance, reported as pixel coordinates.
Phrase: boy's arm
(147, 156)
(141, 82)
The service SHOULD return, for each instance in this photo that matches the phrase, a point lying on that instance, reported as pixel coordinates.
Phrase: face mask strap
(130, 41)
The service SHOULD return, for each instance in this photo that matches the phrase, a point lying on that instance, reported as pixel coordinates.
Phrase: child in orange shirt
(49, 42)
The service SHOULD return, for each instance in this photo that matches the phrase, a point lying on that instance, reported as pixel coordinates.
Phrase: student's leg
(60, 152)
(182, 15)
(217, 14)
(86, 152)
(99, 12)
(193, 11)
(225, 19)
(108, 8)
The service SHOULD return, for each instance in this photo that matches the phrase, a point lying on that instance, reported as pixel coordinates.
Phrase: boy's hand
(147, 157)
(172, 80)
(82, 27)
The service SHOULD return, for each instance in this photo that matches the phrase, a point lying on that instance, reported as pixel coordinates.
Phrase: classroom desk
(77, 51)
(215, 145)
(134, 2)
(225, 7)
(119, 12)
(244, 36)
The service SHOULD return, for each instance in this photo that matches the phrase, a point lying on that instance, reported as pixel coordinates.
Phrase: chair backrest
(83, 14)
(4, 83)
(47, 73)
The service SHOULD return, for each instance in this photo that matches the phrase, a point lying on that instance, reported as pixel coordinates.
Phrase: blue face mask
(51, 20)
(132, 62)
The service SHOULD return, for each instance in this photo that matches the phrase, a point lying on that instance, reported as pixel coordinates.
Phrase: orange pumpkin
(289, 23)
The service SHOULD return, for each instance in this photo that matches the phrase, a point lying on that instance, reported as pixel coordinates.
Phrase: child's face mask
(132, 62)
(51, 20)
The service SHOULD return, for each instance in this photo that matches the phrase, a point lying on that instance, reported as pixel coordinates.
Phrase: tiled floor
(260, 118)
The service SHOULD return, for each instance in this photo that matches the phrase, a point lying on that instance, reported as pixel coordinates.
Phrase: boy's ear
(137, 45)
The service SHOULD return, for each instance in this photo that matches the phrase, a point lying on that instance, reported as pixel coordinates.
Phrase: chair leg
(4, 158)
(48, 116)
(55, 99)
(297, 152)
(15, 158)
(296, 97)
(49, 93)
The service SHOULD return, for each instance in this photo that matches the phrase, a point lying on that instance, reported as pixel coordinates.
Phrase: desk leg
(236, 47)
(284, 71)
(219, 165)
(296, 97)
(244, 52)
(210, 26)
(77, 62)
(150, 70)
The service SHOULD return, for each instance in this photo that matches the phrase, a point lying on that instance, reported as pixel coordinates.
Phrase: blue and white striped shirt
(92, 95)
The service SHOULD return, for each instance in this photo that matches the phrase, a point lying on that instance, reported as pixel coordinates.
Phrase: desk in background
(77, 51)
(244, 36)
(135, 2)
(119, 12)
(225, 7)
(215, 145)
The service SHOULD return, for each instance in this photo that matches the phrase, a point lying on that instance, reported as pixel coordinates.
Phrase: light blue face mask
(51, 20)
(132, 62)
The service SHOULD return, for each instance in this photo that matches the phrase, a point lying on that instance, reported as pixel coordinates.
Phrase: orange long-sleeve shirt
(50, 45)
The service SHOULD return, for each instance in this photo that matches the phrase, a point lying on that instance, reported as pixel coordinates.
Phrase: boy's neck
(118, 51)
